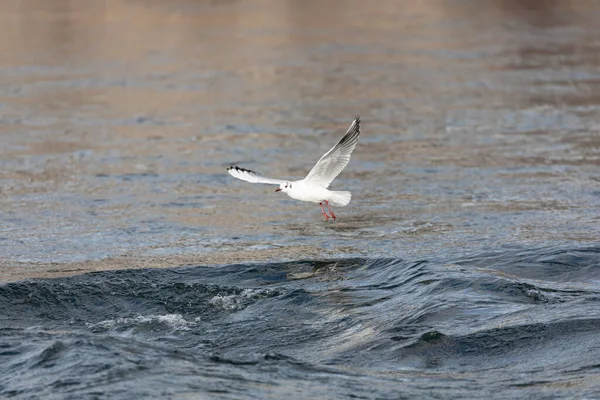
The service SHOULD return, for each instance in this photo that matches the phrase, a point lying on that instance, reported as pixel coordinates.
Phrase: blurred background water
(479, 156)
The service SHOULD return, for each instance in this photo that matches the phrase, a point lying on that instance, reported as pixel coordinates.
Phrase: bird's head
(284, 187)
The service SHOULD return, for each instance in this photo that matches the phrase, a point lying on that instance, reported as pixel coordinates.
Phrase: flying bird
(313, 188)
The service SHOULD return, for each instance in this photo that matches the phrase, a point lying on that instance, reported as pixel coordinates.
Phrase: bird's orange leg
(330, 210)
(323, 212)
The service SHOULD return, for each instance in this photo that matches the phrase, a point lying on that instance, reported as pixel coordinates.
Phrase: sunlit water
(466, 265)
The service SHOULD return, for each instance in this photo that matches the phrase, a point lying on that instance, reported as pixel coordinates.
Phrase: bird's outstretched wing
(251, 176)
(336, 159)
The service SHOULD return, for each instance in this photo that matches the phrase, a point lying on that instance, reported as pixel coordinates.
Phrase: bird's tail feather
(340, 199)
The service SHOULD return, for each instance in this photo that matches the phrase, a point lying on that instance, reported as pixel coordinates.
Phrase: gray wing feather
(251, 176)
(336, 159)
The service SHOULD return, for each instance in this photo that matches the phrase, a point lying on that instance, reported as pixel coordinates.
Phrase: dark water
(512, 323)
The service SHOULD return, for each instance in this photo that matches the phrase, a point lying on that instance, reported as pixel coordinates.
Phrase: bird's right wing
(336, 159)
(251, 176)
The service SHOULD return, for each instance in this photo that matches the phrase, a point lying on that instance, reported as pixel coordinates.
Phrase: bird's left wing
(251, 176)
(336, 159)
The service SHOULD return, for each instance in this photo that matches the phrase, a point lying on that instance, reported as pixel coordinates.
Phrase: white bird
(313, 188)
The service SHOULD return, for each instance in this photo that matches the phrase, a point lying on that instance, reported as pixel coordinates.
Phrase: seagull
(313, 188)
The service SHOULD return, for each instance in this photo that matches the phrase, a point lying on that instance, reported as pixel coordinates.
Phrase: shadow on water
(510, 320)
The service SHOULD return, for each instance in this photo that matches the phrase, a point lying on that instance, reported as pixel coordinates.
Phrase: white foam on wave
(235, 302)
(173, 320)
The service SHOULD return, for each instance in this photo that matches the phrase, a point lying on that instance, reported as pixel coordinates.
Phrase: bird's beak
(278, 190)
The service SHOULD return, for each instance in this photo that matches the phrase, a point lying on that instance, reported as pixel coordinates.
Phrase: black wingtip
(357, 123)
(241, 169)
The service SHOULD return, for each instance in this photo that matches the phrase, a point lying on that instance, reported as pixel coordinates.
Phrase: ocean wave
(324, 319)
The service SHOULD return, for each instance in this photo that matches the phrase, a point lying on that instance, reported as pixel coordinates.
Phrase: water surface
(511, 324)
(466, 264)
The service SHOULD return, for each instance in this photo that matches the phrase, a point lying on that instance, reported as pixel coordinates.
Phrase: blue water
(509, 323)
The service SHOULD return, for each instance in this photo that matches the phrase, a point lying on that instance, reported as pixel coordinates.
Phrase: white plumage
(313, 188)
